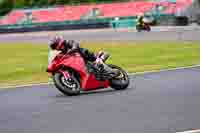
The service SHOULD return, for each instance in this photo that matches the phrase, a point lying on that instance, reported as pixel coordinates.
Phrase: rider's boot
(108, 70)
(104, 68)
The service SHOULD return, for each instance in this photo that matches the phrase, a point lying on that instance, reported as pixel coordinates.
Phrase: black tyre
(138, 28)
(120, 82)
(148, 28)
(68, 87)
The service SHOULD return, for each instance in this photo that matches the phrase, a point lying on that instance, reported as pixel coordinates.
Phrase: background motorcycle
(72, 74)
(144, 26)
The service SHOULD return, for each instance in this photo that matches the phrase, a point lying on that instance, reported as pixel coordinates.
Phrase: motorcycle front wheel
(138, 28)
(120, 82)
(69, 86)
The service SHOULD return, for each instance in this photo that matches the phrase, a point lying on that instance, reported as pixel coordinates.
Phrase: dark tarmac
(163, 102)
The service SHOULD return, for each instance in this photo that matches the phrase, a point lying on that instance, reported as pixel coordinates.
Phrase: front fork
(65, 74)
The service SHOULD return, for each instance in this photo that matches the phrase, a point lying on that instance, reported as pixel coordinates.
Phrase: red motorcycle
(72, 74)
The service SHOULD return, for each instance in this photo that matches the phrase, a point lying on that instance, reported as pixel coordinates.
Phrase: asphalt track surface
(164, 102)
(158, 33)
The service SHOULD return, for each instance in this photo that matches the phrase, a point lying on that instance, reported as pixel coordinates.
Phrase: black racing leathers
(72, 46)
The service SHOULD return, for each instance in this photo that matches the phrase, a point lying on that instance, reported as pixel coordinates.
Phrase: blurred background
(38, 15)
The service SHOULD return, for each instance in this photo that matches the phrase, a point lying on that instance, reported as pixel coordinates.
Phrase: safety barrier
(117, 22)
(53, 27)
(165, 19)
(124, 23)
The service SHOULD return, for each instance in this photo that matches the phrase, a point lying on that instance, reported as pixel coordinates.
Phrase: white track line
(164, 70)
(137, 73)
(191, 131)
(27, 85)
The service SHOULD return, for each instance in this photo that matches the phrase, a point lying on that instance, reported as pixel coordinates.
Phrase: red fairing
(92, 83)
(77, 63)
(74, 61)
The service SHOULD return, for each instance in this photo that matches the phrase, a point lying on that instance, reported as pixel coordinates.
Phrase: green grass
(22, 63)
(26, 63)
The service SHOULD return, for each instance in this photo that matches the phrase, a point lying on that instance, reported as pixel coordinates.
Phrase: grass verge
(26, 63)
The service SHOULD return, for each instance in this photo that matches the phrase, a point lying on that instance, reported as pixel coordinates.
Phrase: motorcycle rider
(69, 46)
(140, 20)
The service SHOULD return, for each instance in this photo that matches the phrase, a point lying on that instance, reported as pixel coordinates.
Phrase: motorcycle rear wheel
(148, 28)
(70, 87)
(120, 82)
